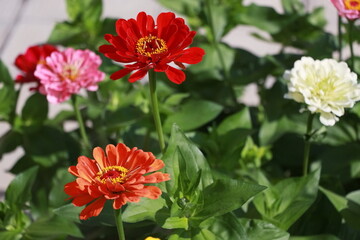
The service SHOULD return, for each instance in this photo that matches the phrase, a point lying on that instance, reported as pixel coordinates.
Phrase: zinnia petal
(191, 55)
(93, 209)
(175, 75)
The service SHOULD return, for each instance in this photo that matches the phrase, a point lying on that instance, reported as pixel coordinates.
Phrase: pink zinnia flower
(65, 73)
(28, 61)
(348, 8)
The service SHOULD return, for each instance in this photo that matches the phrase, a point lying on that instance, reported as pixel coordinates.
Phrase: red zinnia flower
(27, 63)
(118, 175)
(150, 46)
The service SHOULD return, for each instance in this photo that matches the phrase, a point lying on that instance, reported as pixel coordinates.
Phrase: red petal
(93, 209)
(163, 20)
(175, 75)
(121, 73)
(191, 55)
(142, 22)
(137, 75)
(82, 200)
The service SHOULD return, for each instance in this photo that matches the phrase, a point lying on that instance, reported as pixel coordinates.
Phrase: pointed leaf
(226, 195)
(19, 190)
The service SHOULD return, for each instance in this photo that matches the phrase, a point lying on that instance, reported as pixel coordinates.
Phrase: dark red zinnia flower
(152, 46)
(27, 63)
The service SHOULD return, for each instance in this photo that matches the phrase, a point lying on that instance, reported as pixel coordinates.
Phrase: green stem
(307, 144)
(340, 37)
(215, 44)
(74, 101)
(119, 224)
(155, 109)
(351, 29)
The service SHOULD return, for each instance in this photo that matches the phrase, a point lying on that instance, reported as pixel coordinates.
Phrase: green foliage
(235, 170)
(284, 203)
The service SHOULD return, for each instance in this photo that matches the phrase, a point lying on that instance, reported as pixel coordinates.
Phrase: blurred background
(24, 23)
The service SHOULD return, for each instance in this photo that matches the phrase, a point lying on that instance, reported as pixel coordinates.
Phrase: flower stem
(340, 37)
(74, 101)
(155, 109)
(351, 30)
(119, 224)
(307, 144)
(216, 46)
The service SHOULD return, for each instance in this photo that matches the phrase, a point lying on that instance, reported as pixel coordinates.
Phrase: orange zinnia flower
(118, 175)
(149, 45)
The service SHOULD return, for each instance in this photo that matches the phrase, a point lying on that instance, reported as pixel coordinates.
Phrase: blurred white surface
(28, 22)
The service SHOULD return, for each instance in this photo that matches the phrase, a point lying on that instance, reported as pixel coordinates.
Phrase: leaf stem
(155, 109)
(215, 44)
(119, 224)
(340, 36)
(307, 144)
(74, 101)
(351, 30)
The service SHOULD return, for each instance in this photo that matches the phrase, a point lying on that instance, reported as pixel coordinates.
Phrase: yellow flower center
(352, 4)
(70, 72)
(114, 174)
(150, 45)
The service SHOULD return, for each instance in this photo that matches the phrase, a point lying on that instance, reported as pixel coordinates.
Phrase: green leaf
(195, 161)
(10, 235)
(47, 146)
(258, 229)
(226, 195)
(285, 202)
(265, 18)
(241, 119)
(54, 226)
(210, 67)
(9, 141)
(349, 207)
(123, 117)
(316, 237)
(35, 110)
(19, 190)
(176, 222)
(7, 93)
(193, 114)
(227, 227)
(67, 34)
(57, 195)
(69, 212)
(146, 209)
(77, 8)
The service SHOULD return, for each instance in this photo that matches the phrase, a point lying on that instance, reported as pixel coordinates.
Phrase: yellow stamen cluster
(70, 72)
(121, 171)
(150, 45)
(352, 4)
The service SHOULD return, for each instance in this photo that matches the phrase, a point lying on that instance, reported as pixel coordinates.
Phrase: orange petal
(111, 154)
(93, 209)
(155, 178)
(99, 156)
(156, 165)
(151, 192)
(87, 168)
(119, 202)
(73, 170)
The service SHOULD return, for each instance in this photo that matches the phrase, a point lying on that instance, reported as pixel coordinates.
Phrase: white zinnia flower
(326, 86)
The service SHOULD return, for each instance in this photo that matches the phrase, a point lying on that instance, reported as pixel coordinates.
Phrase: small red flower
(152, 46)
(118, 175)
(27, 63)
